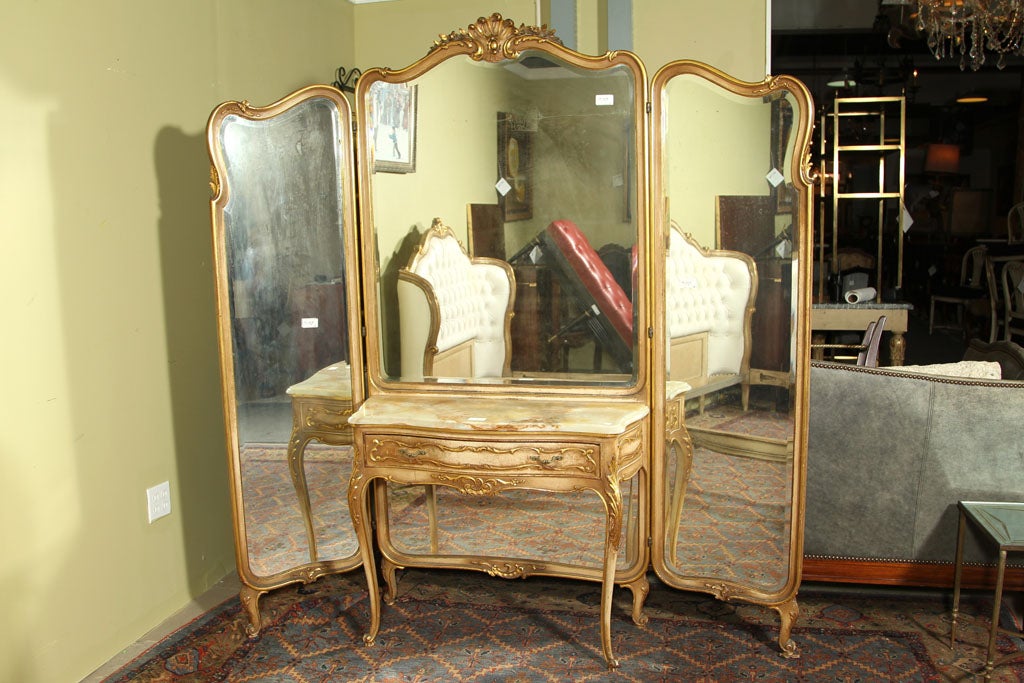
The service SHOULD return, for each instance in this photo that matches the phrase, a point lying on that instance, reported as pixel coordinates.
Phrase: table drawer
(539, 457)
(322, 414)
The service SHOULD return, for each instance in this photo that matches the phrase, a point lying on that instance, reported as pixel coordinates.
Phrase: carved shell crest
(493, 38)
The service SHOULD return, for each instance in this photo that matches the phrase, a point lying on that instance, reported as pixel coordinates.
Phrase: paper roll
(856, 296)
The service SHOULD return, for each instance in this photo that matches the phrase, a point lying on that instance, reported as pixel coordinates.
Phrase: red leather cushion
(609, 297)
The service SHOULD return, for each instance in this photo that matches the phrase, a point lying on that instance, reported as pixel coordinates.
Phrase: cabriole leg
(788, 613)
(359, 509)
(250, 598)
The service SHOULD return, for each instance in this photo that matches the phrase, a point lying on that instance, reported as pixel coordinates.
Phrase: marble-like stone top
(674, 388)
(334, 381)
(890, 306)
(507, 413)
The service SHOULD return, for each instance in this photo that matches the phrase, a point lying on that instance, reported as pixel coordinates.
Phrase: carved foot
(613, 664)
(369, 638)
(640, 588)
(389, 571)
(788, 613)
(250, 598)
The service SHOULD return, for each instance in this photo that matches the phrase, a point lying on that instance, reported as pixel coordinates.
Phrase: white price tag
(604, 100)
(310, 322)
(502, 186)
(688, 282)
(775, 178)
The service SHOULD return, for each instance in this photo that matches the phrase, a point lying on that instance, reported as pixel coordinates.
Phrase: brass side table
(1002, 524)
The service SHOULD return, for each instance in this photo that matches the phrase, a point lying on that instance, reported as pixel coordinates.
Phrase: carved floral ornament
(493, 38)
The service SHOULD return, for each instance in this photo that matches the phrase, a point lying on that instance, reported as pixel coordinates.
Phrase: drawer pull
(545, 462)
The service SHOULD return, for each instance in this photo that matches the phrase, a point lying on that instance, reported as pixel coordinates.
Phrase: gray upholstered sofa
(889, 456)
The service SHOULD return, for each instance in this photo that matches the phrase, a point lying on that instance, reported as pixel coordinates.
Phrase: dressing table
(484, 446)
(599, 165)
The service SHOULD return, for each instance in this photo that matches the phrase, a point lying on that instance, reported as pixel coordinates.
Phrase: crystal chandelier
(971, 28)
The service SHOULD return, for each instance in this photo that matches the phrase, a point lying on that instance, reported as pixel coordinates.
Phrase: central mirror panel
(730, 381)
(503, 201)
(504, 208)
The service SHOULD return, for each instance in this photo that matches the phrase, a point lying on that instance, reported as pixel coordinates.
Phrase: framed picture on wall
(394, 112)
(515, 165)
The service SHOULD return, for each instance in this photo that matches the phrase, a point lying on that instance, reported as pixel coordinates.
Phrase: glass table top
(1003, 522)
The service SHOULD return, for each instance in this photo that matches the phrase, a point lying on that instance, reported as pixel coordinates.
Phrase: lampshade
(972, 98)
(942, 159)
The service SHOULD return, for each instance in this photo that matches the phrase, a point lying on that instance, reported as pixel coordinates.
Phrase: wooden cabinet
(320, 325)
(532, 322)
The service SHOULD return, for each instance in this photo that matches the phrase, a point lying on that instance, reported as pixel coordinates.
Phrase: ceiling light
(972, 98)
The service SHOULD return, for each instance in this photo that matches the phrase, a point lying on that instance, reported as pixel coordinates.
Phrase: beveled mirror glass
(730, 194)
(519, 169)
(282, 215)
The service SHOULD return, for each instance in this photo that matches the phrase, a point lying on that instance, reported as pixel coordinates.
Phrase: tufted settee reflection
(709, 303)
(454, 311)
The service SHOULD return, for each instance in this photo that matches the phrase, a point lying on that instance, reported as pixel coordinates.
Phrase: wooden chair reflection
(971, 289)
(1013, 299)
(1015, 224)
(867, 349)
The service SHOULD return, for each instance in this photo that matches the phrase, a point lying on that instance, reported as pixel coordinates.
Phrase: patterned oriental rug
(464, 626)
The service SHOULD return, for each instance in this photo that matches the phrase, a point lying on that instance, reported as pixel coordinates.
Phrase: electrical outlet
(159, 499)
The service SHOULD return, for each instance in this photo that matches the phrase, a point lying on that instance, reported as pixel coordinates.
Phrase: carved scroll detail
(613, 504)
(477, 486)
(320, 417)
(355, 483)
(214, 181)
(721, 591)
(629, 445)
(673, 416)
(509, 570)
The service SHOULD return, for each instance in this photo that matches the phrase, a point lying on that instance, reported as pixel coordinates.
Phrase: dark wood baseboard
(897, 573)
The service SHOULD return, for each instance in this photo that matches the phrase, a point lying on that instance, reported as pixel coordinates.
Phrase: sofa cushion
(975, 369)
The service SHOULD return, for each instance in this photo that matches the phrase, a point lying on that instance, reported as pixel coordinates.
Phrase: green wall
(111, 382)
(112, 378)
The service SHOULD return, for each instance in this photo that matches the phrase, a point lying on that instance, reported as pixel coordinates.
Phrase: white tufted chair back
(447, 300)
(713, 292)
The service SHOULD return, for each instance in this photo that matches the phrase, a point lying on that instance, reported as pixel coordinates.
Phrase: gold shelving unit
(862, 132)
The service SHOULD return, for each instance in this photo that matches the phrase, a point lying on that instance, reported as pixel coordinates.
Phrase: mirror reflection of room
(540, 180)
(279, 224)
(733, 227)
